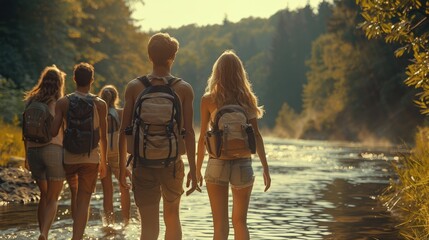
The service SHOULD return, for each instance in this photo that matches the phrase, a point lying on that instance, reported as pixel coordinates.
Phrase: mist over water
(320, 190)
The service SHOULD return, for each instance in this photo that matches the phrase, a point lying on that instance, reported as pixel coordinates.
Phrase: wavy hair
(109, 94)
(49, 87)
(229, 84)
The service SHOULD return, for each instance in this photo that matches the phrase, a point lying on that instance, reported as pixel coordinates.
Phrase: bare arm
(102, 113)
(126, 120)
(60, 109)
(188, 124)
(201, 150)
(260, 150)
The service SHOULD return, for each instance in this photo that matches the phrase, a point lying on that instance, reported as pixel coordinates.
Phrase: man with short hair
(149, 183)
(84, 158)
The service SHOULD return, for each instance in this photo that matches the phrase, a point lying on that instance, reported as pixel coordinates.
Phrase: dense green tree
(34, 34)
(354, 90)
(113, 45)
(290, 49)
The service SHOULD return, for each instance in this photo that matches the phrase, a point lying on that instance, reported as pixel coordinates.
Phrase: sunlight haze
(158, 14)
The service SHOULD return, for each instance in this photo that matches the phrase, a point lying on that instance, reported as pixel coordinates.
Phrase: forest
(314, 71)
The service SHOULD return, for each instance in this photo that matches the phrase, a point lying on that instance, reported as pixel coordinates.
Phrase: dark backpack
(156, 138)
(113, 127)
(231, 134)
(36, 122)
(80, 135)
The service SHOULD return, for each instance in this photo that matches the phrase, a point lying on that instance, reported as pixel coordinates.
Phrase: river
(320, 190)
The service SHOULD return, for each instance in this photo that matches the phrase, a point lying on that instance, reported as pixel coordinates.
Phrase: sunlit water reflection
(320, 190)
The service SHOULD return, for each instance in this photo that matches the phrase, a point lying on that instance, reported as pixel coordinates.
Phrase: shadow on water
(356, 213)
(320, 190)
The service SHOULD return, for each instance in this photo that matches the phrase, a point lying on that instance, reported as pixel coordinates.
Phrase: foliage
(35, 34)
(11, 143)
(290, 49)
(354, 90)
(11, 103)
(408, 195)
(404, 22)
(314, 71)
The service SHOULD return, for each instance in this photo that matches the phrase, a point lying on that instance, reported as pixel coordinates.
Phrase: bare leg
(125, 204)
(241, 198)
(73, 191)
(81, 215)
(54, 190)
(41, 207)
(173, 228)
(108, 197)
(125, 201)
(218, 196)
(149, 216)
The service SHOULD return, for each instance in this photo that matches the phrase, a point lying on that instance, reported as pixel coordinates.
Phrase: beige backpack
(156, 137)
(231, 135)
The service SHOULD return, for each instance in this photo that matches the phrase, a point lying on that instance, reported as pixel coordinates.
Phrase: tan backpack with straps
(231, 135)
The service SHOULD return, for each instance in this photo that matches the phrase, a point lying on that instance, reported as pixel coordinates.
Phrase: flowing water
(320, 190)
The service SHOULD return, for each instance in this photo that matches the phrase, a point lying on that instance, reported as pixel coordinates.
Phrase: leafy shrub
(408, 195)
(11, 143)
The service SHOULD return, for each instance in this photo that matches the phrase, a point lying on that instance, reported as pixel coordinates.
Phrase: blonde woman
(109, 94)
(45, 160)
(228, 84)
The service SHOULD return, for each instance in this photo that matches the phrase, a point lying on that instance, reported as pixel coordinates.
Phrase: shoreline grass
(407, 197)
(11, 143)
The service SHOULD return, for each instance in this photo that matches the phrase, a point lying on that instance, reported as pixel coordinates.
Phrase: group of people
(91, 137)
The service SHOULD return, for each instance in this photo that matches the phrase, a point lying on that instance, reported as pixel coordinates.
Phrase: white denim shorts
(238, 172)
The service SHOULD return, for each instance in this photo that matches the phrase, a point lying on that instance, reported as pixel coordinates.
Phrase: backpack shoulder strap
(70, 95)
(172, 81)
(145, 81)
(178, 116)
(112, 112)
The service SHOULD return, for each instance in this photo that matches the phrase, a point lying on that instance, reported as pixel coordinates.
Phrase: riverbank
(17, 186)
(408, 195)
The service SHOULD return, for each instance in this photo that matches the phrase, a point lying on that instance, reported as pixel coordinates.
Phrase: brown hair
(229, 84)
(50, 86)
(161, 48)
(109, 94)
(83, 74)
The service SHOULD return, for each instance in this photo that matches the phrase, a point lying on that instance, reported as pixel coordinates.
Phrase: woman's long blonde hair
(49, 87)
(228, 84)
(109, 94)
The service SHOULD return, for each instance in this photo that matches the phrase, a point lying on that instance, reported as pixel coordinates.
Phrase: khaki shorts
(82, 176)
(149, 184)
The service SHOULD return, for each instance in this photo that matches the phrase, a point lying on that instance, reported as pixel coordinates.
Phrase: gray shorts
(46, 163)
(238, 173)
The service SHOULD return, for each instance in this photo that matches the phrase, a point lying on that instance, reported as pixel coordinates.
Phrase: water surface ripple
(320, 190)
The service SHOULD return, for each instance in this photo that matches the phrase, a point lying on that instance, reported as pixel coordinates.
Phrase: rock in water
(17, 186)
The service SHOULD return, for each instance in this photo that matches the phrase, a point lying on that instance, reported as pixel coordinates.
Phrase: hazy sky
(157, 14)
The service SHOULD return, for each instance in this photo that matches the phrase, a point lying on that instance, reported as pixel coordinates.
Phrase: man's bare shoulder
(183, 88)
(134, 82)
(183, 84)
(134, 87)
